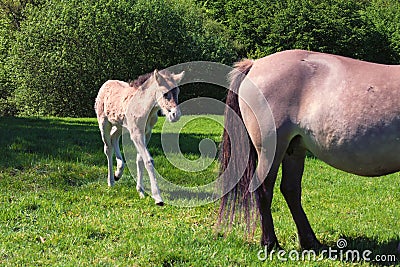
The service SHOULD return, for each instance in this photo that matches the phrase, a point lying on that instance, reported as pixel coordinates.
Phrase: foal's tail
(235, 147)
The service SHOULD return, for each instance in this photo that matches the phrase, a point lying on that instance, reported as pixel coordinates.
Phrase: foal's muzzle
(174, 114)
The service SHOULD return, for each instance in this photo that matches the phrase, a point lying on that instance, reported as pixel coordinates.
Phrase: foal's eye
(168, 96)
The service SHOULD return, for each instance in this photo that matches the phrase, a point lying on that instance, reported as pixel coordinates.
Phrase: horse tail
(240, 171)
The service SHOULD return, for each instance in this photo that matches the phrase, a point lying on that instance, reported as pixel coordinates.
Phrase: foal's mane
(143, 78)
(140, 80)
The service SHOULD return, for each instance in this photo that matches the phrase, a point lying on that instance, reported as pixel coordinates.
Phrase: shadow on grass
(378, 253)
(188, 143)
(27, 140)
(363, 249)
(62, 153)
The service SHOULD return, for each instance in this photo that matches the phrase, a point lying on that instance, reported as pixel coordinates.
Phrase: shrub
(65, 50)
(385, 16)
(343, 27)
(6, 87)
(336, 27)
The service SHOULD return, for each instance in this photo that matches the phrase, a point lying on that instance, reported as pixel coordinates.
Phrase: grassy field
(56, 208)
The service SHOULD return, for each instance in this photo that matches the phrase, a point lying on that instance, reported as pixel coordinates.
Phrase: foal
(134, 106)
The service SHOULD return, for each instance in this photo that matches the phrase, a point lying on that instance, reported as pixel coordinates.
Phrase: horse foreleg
(115, 135)
(139, 168)
(148, 162)
(292, 171)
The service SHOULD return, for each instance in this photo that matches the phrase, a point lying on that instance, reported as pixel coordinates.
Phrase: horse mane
(140, 80)
(143, 78)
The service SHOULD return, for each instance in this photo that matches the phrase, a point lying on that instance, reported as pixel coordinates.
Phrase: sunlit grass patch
(56, 208)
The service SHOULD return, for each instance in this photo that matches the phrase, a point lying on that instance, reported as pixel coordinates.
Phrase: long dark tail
(234, 164)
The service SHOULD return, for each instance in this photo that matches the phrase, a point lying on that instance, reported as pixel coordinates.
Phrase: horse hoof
(160, 204)
(313, 245)
(141, 195)
(271, 245)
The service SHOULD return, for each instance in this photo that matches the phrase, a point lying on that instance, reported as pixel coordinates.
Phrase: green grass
(56, 208)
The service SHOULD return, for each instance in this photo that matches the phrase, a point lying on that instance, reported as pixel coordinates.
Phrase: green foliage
(334, 27)
(65, 50)
(13, 10)
(343, 27)
(55, 54)
(12, 14)
(385, 16)
(6, 35)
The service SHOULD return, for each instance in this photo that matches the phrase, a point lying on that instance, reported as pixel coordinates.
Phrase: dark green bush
(385, 16)
(65, 50)
(6, 106)
(336, 27)
(366, 30)
(55, 54)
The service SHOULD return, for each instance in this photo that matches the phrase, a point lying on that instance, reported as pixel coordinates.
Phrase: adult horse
(135, 106)
(345, 111)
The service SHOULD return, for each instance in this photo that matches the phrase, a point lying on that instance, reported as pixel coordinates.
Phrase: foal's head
(167, 93)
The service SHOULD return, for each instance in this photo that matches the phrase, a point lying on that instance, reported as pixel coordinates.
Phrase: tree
(357, 29)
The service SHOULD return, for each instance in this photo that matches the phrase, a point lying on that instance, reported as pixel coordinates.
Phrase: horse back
(346, 110)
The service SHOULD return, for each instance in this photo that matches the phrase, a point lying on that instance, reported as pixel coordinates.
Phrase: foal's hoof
(160, 204)
(117, 177)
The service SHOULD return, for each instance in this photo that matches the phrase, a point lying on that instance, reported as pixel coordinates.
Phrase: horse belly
(375, 152)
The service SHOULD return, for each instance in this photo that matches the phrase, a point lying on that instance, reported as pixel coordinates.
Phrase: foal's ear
(179, 77)
(158, 76)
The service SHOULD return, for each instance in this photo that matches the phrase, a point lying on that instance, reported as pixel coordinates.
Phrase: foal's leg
(292, 171)
(139, 141)
(115, 135)
(139, 168)
(105, 129)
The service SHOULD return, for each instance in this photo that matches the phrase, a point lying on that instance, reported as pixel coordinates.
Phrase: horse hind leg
(264, 195)
(292, 172)
(115, 136)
